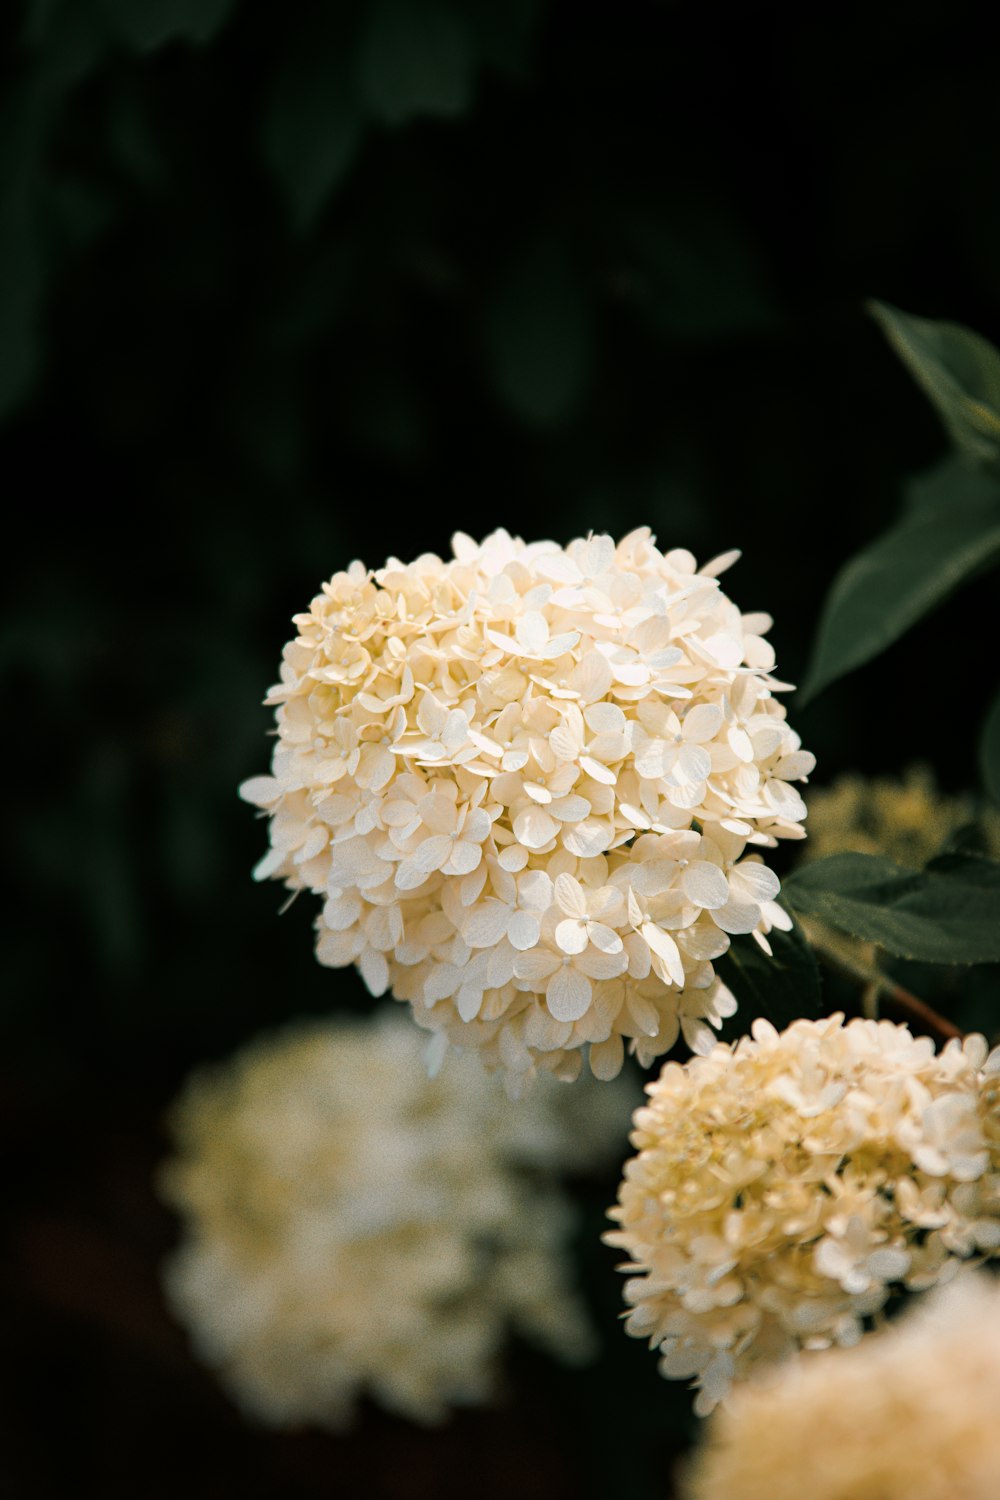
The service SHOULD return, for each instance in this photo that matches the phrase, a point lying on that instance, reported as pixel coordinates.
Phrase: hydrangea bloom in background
(352, 1226)
(910, 1414)
(785, 1183)
(525, 781)
(908, 819)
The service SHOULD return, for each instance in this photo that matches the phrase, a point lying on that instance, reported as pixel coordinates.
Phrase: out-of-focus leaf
(900, 577)
(696, 276)
(314, 123)
(20, 296)
(989, 751)
(971, 838)
(37, 20)
(133, 142)
(22, 124)
(948, 913)
(960, 372)
(504, 34)
(952, 484)
(145, 25)
(781, 988)
(68, 40)
(76, 213)
(538, 336)
(415, 58)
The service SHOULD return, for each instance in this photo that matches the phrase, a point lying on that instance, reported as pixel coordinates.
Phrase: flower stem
(844, 956)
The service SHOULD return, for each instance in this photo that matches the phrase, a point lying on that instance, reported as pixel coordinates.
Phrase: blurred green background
(285, 285)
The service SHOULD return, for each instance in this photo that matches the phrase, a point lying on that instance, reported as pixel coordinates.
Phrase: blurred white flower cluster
(524, 780)
(910, 1414)
(783, 1184)
(909, 818)
(353, 1227)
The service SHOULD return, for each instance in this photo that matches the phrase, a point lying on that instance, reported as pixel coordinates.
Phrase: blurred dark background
(285, 285)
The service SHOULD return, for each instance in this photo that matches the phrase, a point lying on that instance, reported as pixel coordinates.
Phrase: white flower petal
(468, 1002)
(598, 770)
(702, 722)
(464, 858)
(663, 945)
(588, 839)
(374, 972)
(605, 718)
(724, 650)
(598, 965)
(693, 763)
(568, 994)
(737, 916)
(536, 964)
(523, 931)
(571, 809)
(591, 677)
(705, 884)
(604, 938)
(571, 936)
(262, 791)
(486, 924)
(534, 827)
(513, 858)
(755, 880)
(606, 1058)
(570, 897)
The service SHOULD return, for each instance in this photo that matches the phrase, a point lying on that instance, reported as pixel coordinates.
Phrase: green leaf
(781, 988)
(951, 484)
(415, 59)
(313, 124)
(948, 913)
(21, 288)
(960, 372)
(23, 122)
(538, 337)
(989, 751)
(145, 25)
(505, 35)
(900, 577)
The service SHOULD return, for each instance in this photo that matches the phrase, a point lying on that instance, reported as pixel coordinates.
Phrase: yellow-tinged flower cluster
(909, 819)
(525, 780)
(910, 1414)
(785, 1183)
(353, 1227)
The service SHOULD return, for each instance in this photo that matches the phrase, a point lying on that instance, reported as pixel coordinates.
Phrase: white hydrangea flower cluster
(524, 780)
(910, 1414)
(352, 1227)
(784, 1184)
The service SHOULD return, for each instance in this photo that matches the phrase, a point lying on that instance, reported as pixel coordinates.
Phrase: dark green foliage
(950, 531)
(416, 57)
(781, 988)
(155, 23)
(948, 913)
(989, 750)
(960, 371)
(314, 122)
(901, 577)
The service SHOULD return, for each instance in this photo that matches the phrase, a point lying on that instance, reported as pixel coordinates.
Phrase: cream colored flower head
(525, 781)
(909, 1414)
(785, 1184)
(352, 1227)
